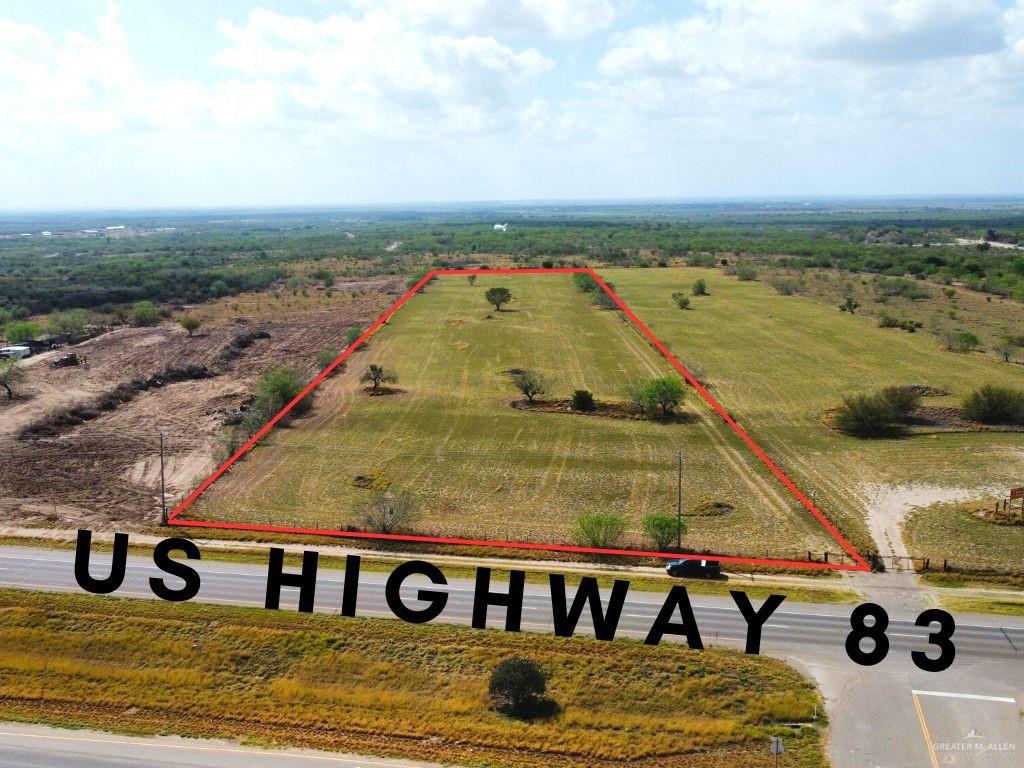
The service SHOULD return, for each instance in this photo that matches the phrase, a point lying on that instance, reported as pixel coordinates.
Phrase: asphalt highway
(877, 721)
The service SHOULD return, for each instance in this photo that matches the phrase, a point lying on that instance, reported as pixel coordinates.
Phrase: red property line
(174, 518)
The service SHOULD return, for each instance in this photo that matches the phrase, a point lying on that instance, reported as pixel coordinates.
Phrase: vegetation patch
(373, 686)
(604, 410)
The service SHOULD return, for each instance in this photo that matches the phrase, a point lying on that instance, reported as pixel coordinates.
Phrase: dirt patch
(602, 410)
(710, 508)
(931, 418)
(104, 469)
(383, 391)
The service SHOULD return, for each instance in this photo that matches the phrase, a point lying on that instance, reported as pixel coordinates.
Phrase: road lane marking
(973, 696)
(193, 748)
(924, 729)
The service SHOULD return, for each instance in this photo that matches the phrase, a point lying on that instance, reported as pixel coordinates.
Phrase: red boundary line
(174, 518)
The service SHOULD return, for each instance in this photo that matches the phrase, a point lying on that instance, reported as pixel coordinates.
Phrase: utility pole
(163, 491)
(679, 505)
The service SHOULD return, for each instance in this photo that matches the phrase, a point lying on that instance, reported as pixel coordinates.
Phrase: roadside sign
(777, 746)
(1017, 493)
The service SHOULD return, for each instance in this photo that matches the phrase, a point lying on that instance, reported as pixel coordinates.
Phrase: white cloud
(558, 19)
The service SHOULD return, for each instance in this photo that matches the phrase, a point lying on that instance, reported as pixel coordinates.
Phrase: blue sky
(142, 104)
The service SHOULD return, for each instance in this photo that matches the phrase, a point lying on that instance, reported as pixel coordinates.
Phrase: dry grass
(382, 687)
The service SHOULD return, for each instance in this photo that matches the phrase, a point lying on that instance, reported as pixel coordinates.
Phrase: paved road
(877, 720)
(32, 746)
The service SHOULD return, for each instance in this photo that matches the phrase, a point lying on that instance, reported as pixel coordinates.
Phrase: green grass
(997, 606)
(485, 470)
(382, 687)
(777, 362)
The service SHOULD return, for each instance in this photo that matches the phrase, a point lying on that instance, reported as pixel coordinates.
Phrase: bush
(352, 335)
(517, 687)
(867, 416)
(583, 400)
(599, 529)
(387, 512)
(144, 313)
(683, 302)
(585, 283)
(664, 530)
(376, 374)
(902, 399)
(17, 331)
(700, 287)
(325, 357)
(960, 341)
(746, 272)
(190, 323)
(995, 405)
(786, 286)
(277, 387)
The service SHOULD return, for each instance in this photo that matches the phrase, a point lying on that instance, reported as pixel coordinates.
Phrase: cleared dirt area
(107, 468)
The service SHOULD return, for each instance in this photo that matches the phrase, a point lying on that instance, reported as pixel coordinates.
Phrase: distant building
(501, 227)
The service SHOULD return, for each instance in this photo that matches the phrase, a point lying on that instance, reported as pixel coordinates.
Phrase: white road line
(973, 696)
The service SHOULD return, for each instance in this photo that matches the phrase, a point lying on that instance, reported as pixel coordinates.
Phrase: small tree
(352, 335)
(1005, 349)
(666, 392)
(144, 313)
(11, 375)
(387, 512)
(633, 391)
(683, 302)
(517, 687)
(664, 530)
(498, 296)
(700, 287)
(599, 529)
(67, 324)
(583, 400)
(850, 305)
(377, 374)
(325, 357)
(471, 279)
(20, 330)
(530, 383)
(190, 323)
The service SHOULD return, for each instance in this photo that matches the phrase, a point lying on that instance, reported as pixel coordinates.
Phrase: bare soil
(107, 469)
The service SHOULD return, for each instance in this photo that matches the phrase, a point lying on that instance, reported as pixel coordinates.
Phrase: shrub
(700, 287)
(603, 299)
(276, 388)
(387, 512)
(583, 400)
(517, 687)
(324, 276)
(19, 330)
(850, 305)
(902, 399)
(144, 313)
(746, 272)
(633, 391)
(352, 335)
(786, 286)
(599, 529)
(960, 341)
(664, 530)
(992, 404)
(585, 283)
(683, 302)
(498, 296)
(326, 356)
(190, 323)
(547, 264)
(867, 416)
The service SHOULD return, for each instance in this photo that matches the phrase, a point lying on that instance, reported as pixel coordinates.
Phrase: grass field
(952, 530)
(484, 469)
(778, 362)
(386, 688)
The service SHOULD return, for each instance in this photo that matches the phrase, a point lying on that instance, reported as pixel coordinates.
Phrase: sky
(142, 104)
